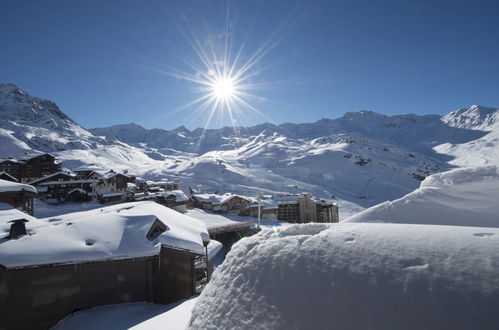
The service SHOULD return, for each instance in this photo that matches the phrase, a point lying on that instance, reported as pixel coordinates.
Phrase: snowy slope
(463, 197)
(358, 160)
(356, 276)
(29, 123)
(481, 151)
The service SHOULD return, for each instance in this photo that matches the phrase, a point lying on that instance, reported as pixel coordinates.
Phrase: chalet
(227, 203)
(85, 171)
(39, 165)
(118, 254)
(30, 167)
(18, 195)
(13, 167)
(65, 190)
(165, 185)
(175, 199)
(6, 176)
(112, 186)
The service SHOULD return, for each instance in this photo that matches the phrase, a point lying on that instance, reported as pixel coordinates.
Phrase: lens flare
(224, 88)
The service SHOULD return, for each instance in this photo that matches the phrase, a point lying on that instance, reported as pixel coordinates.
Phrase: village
(142, 241)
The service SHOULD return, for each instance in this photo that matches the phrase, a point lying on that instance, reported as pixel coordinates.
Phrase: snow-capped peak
(475, 117)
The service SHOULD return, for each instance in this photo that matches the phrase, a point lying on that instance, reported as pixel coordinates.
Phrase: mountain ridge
(357, 160)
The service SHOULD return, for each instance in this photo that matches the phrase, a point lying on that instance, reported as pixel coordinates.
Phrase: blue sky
(99, 60)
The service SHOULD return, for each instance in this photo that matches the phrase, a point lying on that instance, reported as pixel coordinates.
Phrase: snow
(464, 197)
(113, 232)
(136, 316)
(213, 220)
(66, 173)
(180, 196)
(213, 248)
(8, 213)
(7, 186)
(216, 199)
(356, 276)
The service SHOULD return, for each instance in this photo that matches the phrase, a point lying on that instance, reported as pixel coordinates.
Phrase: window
(157, 228)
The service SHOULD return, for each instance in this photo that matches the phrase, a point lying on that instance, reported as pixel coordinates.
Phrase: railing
(228, 228)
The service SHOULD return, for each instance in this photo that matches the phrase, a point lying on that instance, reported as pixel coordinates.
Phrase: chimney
(17, 228)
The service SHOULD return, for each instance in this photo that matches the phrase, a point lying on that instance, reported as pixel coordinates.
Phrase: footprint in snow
(483, 234)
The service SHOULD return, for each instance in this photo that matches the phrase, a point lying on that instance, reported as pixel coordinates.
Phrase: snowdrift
(462, 197)
(356, 276)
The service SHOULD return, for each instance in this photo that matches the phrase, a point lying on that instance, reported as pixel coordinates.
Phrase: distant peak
(181, 128)
(9, 88)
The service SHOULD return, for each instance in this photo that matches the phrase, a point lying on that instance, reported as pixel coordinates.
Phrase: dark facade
(30, 168)
(40, 296)
(7, 177)
(41, 165)
(62, 189)
(327, 212)
(289, 212)
(22, 200)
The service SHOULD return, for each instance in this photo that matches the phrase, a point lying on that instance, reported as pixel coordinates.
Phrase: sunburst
(227, 80)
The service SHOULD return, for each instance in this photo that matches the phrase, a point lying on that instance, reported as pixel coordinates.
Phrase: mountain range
(358, 160)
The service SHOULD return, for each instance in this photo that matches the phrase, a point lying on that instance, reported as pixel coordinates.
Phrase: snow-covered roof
(7, 186)
(68, 174)
(265, 204)
(111, 194)
(12, 160)
(3, 173)
(67, 182)
(89, 167)
(34, 154)
(113, 232)
(82, 191)
(180, 196)
(217, 199)
(213, 248)
(110, 175)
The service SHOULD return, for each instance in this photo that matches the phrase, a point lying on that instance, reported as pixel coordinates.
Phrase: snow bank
(134, 316)
(463, 197)
(113, 232)
(356, 276)
(6, 186)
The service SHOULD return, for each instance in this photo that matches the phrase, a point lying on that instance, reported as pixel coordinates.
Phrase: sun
(224, 88)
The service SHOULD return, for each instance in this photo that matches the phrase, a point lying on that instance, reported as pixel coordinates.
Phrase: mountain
(29, 123)
(32, 123)
(358, 160)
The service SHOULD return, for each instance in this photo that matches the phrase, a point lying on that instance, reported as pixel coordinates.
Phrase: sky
(114, 62)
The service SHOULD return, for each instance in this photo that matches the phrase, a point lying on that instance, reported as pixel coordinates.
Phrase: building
(30, 167)
(269, 210)
(303, 208)
(6, 176)
(122, 253)
(165, 185)
(226, 203)
(18, 195)
(112, 186)
(176, 200)
(85, 171)
(65, 186)
(326, 211)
